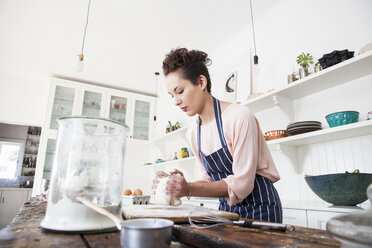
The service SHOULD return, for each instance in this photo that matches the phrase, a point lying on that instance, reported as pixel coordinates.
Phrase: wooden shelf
(338, 74)
(329, 134)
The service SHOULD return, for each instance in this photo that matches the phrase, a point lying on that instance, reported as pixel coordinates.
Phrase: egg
(138, 192)
(127, 192)
(132, 194)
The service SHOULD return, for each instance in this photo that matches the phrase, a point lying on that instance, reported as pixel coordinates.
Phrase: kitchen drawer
(295, 217)
(319, 219)
(199, 202)
(209, 205)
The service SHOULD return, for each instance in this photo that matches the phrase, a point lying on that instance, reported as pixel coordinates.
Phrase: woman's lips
(184, 109)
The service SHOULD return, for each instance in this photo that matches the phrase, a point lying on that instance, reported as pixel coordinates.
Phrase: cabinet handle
(2, 200)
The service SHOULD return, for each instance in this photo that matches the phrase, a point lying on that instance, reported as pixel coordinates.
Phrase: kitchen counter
(25, 231)
(297, 204)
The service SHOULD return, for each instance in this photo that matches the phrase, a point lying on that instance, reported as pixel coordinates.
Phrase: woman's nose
(177, 100)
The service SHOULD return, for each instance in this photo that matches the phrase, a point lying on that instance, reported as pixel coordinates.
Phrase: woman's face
(186, 96)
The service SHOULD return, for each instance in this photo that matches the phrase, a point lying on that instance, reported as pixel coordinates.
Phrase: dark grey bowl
(341, 189)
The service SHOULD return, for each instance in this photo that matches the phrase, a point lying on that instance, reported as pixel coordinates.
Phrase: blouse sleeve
(245, 152)
(191, 137)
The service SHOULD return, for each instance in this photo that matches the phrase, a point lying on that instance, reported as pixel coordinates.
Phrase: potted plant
(304, 60)
(171, 127)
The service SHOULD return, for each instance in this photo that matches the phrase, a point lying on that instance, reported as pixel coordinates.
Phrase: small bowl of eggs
(134, 198)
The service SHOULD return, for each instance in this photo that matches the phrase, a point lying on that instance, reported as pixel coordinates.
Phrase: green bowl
(342, 118)
(341, 189)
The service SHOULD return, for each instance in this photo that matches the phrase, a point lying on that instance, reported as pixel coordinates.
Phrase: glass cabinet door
(118, 109)
(49, 156)
(141, 122)
(92, 104)
(62, 104)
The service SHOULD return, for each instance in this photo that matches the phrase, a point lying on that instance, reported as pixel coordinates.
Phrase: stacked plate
(303, 127)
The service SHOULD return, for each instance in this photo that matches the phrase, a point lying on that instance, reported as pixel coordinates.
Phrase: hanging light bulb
(80, 63)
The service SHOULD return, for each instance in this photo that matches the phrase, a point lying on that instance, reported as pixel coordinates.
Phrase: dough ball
(162, 198)
(127, 192)
(138, 192)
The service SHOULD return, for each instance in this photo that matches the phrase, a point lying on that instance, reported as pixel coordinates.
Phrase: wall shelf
(356, 67)
(179, 133)
(324, 135)
(172, 162)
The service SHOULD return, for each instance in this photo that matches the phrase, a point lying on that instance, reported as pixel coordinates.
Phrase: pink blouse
(247, 146)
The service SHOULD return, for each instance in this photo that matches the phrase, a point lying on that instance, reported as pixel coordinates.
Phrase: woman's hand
(155, 182)
(177, 186)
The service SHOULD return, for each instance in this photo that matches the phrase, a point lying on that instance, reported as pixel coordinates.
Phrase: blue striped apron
(263, 203)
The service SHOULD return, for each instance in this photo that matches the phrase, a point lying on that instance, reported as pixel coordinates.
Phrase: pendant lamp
(156, 92)
(255, 58)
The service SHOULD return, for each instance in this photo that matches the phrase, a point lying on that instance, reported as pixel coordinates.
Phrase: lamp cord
(85, 29)
(254, 37)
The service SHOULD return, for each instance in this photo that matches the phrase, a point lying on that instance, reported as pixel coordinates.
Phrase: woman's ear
(202, 80)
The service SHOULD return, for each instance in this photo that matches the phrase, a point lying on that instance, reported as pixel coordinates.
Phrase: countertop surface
(25, 231)
(297, 204)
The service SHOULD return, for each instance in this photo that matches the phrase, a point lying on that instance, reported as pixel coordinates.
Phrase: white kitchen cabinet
(295, 217)
(118, 104)
(45, 161)
(70, 98)
(141, 117)
(319, 219)
(92, 101)
(207, 202)
(63, 99)
(11, 200)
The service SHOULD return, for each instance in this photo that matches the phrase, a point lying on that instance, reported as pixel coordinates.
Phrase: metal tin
(146, 233)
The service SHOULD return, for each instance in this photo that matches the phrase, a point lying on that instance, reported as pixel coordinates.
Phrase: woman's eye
(180, 92)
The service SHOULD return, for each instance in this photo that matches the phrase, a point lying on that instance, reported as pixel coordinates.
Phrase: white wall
(292, 27)
(38, 37)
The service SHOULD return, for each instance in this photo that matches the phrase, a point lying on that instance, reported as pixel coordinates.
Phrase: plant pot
(303, 72)
(317, 67)
(292, 77)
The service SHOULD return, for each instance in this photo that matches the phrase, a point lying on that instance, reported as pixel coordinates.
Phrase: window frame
(21, 144)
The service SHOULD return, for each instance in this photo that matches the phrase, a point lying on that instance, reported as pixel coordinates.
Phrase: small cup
(146, 233)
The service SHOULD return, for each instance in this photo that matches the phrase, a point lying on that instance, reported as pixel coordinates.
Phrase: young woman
(235, 161)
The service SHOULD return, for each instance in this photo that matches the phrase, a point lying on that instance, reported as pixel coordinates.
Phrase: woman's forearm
(209, 189)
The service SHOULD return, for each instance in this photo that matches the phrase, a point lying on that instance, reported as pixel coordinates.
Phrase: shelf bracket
(286, 106)
(291, 153)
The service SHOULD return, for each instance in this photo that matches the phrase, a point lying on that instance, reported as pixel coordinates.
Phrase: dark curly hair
(191, 63)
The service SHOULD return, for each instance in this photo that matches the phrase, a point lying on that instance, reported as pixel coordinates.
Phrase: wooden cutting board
(178, 214)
